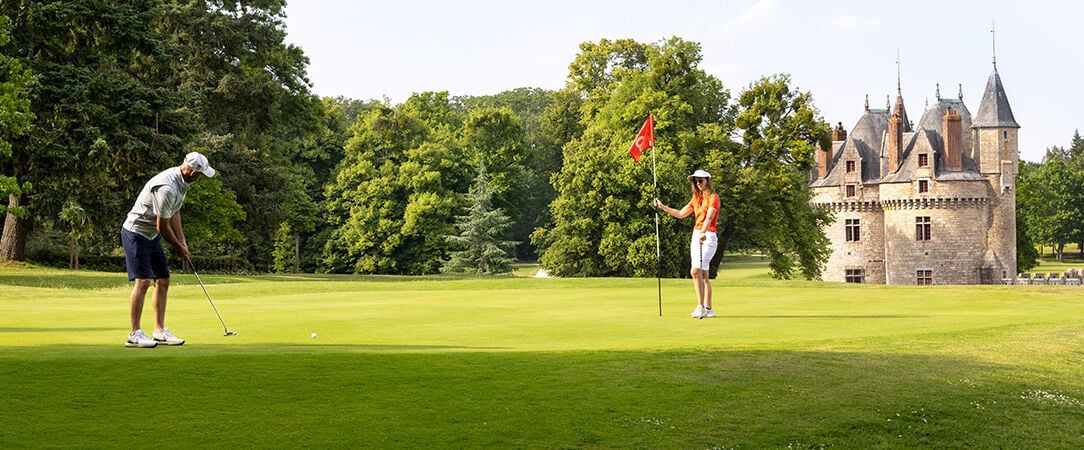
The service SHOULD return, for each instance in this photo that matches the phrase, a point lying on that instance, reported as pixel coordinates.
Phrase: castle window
(924, 277)
(923, 160)
(854, 275)
(922, 228)
(850, 190)
(850, 166)
(852, 228)
(923, 186)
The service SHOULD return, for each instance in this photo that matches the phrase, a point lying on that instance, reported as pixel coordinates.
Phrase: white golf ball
(314, 335)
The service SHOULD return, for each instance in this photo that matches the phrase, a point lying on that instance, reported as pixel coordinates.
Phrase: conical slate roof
(994, 111)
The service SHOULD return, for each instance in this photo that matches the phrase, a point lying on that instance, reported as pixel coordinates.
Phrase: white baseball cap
(198, 162)
(700, 173)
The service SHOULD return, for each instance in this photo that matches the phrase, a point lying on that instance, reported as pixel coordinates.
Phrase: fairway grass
(518, 362)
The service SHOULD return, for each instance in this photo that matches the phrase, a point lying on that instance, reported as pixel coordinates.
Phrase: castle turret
(995, 136)
(995, 129)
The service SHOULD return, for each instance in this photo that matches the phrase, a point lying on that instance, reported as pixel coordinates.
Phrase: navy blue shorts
(145, 257)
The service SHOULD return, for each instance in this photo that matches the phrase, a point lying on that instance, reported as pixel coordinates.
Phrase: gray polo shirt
(162, 196)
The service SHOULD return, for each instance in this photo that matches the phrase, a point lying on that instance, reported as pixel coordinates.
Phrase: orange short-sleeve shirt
(701, 211)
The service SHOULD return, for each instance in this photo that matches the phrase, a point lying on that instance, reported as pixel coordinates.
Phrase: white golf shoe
(699, 312)
(141, 340)
(167, 338)
(709, 313)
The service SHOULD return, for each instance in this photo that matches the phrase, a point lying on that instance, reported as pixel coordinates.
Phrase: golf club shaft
(224, 328)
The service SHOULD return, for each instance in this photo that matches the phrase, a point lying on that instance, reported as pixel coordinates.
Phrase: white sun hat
(700, 173)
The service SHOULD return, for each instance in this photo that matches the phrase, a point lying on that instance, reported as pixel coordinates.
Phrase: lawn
(521, 362)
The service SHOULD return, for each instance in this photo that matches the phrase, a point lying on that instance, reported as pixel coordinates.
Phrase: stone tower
(995, 132)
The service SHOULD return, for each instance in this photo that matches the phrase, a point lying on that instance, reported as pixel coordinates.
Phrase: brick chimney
(953, 135)
(895, 142)
(838, 133)
(822, 162)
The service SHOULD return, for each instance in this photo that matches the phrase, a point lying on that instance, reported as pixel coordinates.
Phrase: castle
(931, 202)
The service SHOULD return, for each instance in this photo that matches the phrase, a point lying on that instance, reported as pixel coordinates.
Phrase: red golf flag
(644, 140)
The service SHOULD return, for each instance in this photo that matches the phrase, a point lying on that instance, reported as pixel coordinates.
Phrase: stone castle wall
(957, 244)
(962, 215)
(867, 253)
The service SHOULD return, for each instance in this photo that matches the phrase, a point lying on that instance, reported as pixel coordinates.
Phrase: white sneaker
(709, 313)
(167, 338)
(140, 339)
(698, 312)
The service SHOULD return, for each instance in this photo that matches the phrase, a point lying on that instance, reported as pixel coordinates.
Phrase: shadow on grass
(829, 316)
(54, 329)
(392, 396)
(67, 280)
(224, 348)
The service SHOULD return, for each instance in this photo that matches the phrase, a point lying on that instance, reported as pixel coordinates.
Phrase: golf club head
(230, 333)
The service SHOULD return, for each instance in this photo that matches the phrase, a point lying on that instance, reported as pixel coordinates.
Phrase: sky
(840, 51)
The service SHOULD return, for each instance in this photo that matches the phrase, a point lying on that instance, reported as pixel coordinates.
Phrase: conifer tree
(481, 234)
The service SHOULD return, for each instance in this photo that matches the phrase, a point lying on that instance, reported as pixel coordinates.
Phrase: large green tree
(494, 138)
(602, 218)
(249, 91)
(766, 179)
(320, 154)
(540, 114)
(1050, 197)
(127, 87)
(395, 194)
(102, 108)
(15, 120)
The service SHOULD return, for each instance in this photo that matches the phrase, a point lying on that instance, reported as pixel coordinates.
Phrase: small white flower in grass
(1055, 398)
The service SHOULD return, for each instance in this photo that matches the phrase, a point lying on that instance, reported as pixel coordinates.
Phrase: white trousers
(701, 253)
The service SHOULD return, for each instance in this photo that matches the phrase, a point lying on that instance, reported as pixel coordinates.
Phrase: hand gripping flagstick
(646, 139)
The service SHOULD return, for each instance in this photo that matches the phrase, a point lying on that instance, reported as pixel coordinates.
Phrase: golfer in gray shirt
(156, 214)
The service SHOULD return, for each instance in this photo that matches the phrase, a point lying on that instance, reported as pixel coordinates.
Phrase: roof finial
(899, 89)
(961, 92)
(938, 91)
(867, 102)
(993, 40)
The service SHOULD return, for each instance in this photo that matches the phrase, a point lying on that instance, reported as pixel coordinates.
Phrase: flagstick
(658, 246)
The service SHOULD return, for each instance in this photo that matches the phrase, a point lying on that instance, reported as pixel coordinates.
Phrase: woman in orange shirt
(702, 247)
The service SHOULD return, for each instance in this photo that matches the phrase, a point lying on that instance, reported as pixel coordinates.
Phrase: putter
(701, 265)
(226, 331)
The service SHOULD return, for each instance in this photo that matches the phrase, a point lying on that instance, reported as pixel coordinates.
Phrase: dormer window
(923, 160)
(850, 190)
(850, 166)
(923, 186)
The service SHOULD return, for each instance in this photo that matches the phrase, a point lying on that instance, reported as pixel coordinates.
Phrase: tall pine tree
(481, 234)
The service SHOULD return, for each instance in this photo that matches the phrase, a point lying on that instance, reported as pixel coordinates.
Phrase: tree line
(1050, 202)
(98, 96)
(95, 97)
